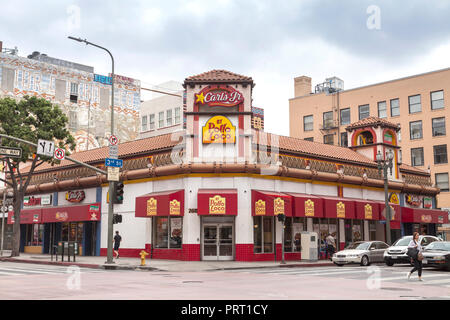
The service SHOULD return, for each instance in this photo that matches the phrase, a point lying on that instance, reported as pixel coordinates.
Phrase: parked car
(397, 252)
(362, 252)
(437, 254)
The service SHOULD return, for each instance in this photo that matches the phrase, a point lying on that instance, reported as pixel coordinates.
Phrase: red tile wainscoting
(244, 252)
(128, 253)
(189, 252)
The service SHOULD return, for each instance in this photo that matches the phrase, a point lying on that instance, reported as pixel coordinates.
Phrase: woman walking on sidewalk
(417, 257)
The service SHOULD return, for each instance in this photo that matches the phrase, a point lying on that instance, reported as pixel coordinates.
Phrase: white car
(363, 253)
(397, 252)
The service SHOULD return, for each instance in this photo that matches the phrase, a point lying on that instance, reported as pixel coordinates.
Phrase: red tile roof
(218, 76)
(372, 121)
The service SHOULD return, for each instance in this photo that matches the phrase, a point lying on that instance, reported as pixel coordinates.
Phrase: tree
(29, 119)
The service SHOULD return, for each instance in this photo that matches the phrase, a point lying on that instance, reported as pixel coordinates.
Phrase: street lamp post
(109, 259)
(384, 164)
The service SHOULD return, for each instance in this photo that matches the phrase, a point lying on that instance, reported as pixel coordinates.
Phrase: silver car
(362, 252)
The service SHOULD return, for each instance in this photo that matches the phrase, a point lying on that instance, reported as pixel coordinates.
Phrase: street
(377, 282)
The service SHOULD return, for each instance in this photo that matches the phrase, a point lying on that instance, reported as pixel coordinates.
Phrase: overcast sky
(362, 42)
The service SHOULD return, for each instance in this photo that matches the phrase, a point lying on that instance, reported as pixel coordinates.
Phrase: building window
(440, 154)
(438, 125)
(395, 107)
(414, 104)
(177, 115)
(161, 119)
(344, 139)
(309, 139)
(417, 157)
(345, 116)
(74, 92)
(364, 111)
(292, 233)
(328, 139)
(34, 234)
(144, 123)
(415, 130)
(382, 109)
(168, 232)
(169, 117)
(442, 181)
(152, 122)
(308, 123)
(437, 100)
(328, 119)
(263, 234)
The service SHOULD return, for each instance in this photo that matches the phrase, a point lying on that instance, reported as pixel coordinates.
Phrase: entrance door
(218, 241)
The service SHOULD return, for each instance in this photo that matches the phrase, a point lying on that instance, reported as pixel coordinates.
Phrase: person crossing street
(416, 255)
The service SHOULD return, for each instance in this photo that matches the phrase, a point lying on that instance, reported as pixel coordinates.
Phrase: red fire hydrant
(143, 254)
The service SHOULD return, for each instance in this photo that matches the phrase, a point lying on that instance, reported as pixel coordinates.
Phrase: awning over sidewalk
(305, 205)
(265, 203)
(367, 210)
(168, 203)
(27, 216)
(217, 202)
(86, 212)
(341, 208)
(424, 215)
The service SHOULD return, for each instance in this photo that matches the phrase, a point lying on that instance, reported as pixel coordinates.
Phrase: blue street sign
(118, 163)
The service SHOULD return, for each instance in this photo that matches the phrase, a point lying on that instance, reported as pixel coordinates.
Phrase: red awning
(305, 205)
(367, 210)
(27, 216)
(267, 203)
(167, 203)
(86, 212)
(217, 202)
(424, 215)
(341, 208)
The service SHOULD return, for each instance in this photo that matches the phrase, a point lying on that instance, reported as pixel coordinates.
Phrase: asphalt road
(377, 282)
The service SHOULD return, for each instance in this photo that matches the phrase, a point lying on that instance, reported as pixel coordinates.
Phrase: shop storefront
(424, 221)
(368, 211)
(31, 229)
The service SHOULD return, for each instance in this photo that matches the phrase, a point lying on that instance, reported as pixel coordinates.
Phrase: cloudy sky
(360, 41)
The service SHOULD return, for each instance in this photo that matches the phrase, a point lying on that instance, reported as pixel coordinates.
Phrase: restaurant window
(328, 139)
(440, 154)
(382, 110)
(73, 92)
(372, 230)
(34, 234)
(263, 234)
(144, 123)
(437, 100)
(438, 125)
(177, 115)
(344, 139)
(442, 181)
(325, 226)
(292, 233)
(308, 124)
(151, 121)
(415, 130)
(345, 116)
(168, 232)
(357, 230)
(395, 107)
(328, 120)
(415, 104)
(417, 157)
(364, 111)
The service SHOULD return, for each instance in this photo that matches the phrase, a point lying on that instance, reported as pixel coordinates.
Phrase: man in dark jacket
(117, 240)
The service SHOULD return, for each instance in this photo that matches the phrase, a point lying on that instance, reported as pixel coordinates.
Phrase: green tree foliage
(29, 119)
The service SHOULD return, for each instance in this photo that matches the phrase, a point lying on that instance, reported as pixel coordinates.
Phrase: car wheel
(389, 263)
(365, 261)
(338, 264)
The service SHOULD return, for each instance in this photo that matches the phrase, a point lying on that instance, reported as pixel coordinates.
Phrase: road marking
(412, 279)
(10, 273)
(440, 281)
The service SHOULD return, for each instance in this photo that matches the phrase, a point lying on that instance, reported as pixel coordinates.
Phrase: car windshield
(359, 246)
(442, 246)
(403, 241)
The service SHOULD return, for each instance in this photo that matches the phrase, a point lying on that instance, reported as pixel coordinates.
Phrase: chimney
(302, 86)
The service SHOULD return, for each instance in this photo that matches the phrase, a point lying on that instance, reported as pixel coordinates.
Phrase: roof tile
(219, 75)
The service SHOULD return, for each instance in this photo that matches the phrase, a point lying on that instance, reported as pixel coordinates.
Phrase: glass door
(218, 242)
(225, 242)
(210, 242)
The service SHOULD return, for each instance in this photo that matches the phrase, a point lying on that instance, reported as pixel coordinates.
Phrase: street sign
(113, 162)
(113, 140)
(114, 152)
(113, 174)
(4, 209)
(46, 148)
(10, 152)
(60, 154)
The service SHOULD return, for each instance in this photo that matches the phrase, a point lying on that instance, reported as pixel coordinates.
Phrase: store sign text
(278, 206)
(413, 200)
(368, 211)
(75, 196)
(174, 207)
(309, 208)
(152, 207)
(219, 129)
(426, 218)
(219, 96)
(340, 210)
(217, 205)
(260, 208)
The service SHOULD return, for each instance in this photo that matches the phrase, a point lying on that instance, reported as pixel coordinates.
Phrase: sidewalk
(156, 264)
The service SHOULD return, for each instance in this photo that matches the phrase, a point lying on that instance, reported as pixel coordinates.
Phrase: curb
(55, 263)
(279, 266)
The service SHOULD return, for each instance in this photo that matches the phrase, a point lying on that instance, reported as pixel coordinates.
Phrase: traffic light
(117, 218)
(118, 193)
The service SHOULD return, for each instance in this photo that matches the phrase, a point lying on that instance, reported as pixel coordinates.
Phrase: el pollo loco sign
(219, 129)
(223, 96)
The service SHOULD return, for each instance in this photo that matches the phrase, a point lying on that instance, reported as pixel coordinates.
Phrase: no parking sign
(60, 154)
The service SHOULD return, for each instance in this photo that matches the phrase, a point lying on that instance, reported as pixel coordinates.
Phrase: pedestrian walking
(415, 252)
(117, 240)
(331, 246)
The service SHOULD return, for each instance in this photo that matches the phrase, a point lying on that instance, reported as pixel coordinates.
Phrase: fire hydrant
(143, 254)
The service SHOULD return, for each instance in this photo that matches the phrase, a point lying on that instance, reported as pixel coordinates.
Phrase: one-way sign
(10, 152)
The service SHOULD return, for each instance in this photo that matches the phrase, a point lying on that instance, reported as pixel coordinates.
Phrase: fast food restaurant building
(213, 191)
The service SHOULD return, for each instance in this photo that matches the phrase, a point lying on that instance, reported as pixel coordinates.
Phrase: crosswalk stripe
(28, 271)
(440, 281)
(412, 277)
(9, 273)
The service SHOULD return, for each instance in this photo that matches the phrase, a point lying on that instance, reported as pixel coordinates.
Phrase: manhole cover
(396, 289)
(192, 281)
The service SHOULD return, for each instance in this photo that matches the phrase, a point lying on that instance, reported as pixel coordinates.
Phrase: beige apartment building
(418, 103)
